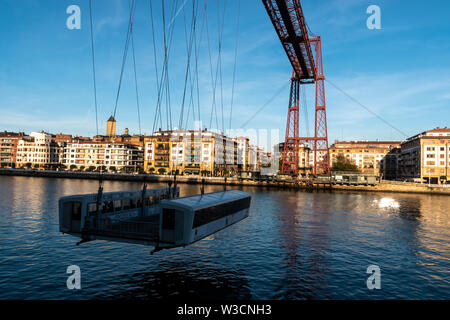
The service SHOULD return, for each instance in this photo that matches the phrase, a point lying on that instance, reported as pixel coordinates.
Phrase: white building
(110, 156)
(37, 150)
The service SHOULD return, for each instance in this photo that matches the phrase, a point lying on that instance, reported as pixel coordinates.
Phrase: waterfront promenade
(384, 186)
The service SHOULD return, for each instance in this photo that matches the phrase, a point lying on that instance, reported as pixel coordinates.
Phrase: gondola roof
(206, 200)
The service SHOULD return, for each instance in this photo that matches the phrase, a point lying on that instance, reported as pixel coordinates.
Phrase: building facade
(91, 155)
(366, 155)
(191, 152)
(8, 148)
(305, 159)
(243, 153)
(38, 151)
(425, 157)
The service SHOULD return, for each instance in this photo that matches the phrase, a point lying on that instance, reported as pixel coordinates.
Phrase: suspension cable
(282, 88)
(235, 62)
(213, 104)
(219, 67)
(135, 75)
(157, 109)
(192, 43)
(164, 83)
(125, 52)
(189, 44)
(197, 47)
(93, 66)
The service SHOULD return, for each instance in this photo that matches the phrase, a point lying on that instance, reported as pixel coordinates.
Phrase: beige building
(366, 155)
(426, 157)
(190, 152)
(38, 151)
(243, 153)
(91, 155)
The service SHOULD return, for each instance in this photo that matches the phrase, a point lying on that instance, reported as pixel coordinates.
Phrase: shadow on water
(180, 281)
(410, 210)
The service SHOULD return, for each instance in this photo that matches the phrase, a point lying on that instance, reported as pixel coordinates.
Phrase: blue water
(294, 245)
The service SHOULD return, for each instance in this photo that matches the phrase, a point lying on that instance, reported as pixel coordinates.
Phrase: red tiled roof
(440, 130)
(367, 142)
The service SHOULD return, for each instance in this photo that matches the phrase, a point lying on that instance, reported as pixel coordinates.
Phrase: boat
(153, 217)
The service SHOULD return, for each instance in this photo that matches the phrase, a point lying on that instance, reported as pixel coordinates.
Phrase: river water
(294, 245)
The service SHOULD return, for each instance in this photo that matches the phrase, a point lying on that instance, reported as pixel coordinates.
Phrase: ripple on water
(294, 245)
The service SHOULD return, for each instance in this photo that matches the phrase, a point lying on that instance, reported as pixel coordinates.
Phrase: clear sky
(401, 72)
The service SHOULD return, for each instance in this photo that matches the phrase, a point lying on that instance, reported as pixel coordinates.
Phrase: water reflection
(294, 245)
(387, 203)
(179, 280)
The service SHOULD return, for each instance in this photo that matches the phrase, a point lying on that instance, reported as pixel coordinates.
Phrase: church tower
(111, 127)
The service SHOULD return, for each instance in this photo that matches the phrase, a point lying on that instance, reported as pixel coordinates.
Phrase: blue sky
(401, 72)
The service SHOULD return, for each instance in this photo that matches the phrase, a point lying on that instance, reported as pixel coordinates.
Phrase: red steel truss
(305, 55)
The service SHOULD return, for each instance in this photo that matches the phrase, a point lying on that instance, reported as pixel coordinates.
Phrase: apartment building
(305, 158)
(389, 165)
(425, 157)
(190, 152)
(366, 155)
(8, 148)
(92, 155)
(38, 151)
(243, 153)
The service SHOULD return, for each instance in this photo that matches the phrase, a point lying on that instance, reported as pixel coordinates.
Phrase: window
(207, 215)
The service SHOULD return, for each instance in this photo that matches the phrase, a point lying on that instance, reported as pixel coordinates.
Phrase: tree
(112, 168)
(73, 167)
(344, 164)
(36, 166)
(151, 170)
(162, 171)
(82, 168)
